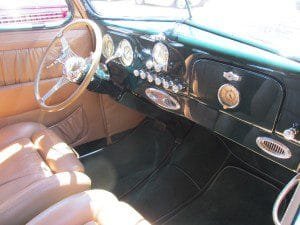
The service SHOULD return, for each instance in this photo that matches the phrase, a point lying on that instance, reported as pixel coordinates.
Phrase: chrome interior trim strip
(91, 153)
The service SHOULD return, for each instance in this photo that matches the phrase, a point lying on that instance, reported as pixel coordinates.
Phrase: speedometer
(108, 46)
(126, 52)
(160, 55)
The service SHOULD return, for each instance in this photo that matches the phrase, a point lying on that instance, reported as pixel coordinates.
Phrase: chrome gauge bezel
(127, 54)
(160, 55)
(221, 98)
(107, 40)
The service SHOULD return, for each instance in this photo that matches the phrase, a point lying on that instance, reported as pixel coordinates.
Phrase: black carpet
(164, 192)
(119, 167)
(192, 165)
(197, 183)
(201, 155)
(234, 198)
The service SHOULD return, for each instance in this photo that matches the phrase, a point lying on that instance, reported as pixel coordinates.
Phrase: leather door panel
(20, 54)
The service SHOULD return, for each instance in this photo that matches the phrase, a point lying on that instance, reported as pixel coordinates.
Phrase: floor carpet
(182, 178)
(234, 198)
(119, 167)
(190, 168)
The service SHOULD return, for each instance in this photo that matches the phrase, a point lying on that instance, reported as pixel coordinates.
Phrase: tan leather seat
(95, 207)
(37, 169)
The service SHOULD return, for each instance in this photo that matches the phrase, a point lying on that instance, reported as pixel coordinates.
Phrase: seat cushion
(95, 207)
(57, 154)
(14, 132)
(24, 205)
(20, 166)
(37, 169)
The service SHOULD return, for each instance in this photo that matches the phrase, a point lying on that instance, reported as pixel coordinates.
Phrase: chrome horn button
(74, 68)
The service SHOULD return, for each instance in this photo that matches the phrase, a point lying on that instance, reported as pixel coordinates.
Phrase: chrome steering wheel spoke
(60, 83)
(66, 52)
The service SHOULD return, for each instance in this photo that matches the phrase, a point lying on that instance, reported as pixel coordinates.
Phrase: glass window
(271, 23)
(150, 9)
(16, 14)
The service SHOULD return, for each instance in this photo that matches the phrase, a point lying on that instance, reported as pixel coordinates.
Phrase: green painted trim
(232, 37)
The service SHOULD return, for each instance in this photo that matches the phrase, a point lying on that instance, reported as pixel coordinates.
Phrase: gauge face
(127, 52)
(108, 46)
(228, 96)
(160, 55)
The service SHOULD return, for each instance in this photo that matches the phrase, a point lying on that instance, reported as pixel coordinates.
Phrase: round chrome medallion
(74, 68)
(228, 96)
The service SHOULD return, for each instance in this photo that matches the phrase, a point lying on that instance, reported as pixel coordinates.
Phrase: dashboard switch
(136, 73)
(158, 81)
(150, 77)
(143, 75)
(291, 133)
(166, 84)
(176, 88)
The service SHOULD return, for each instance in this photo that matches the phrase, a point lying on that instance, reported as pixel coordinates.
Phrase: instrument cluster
(151, 60)
(123, 52)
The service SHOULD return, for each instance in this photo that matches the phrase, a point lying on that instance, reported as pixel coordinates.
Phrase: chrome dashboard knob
(166, 84)
(136, 73)
(143, 75)
(176, 88)
(158, 81)
(290, 134)
(150, 77)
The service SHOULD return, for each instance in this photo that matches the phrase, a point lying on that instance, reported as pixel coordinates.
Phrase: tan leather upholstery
(36, 170)
(57, 154)
(96, 207)
(20, 54)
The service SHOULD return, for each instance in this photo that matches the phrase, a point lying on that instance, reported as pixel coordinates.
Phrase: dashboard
(251, 105)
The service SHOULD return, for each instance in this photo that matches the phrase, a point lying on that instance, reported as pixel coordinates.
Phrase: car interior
(130, 121)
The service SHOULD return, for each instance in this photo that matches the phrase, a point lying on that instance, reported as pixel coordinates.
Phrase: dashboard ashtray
(162, 99)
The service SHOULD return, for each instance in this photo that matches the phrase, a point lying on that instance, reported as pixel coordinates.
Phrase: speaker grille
(273, 147)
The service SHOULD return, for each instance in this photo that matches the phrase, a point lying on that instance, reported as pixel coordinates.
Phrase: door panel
(85, 120)
(19, 105)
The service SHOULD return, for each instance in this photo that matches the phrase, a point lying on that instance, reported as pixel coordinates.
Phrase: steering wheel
(75, 69)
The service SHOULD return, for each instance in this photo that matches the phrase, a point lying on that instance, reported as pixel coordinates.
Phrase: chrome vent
(273, 147)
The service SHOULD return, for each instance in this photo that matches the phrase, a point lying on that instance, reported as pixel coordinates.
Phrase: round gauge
(127, 52)
(229, 96)
(108, 46)
(160, 55)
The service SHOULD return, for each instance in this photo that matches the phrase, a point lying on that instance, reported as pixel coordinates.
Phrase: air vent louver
(273, 147)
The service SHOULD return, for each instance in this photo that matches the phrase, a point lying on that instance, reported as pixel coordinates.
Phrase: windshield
(272, 24)
(150, 9)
